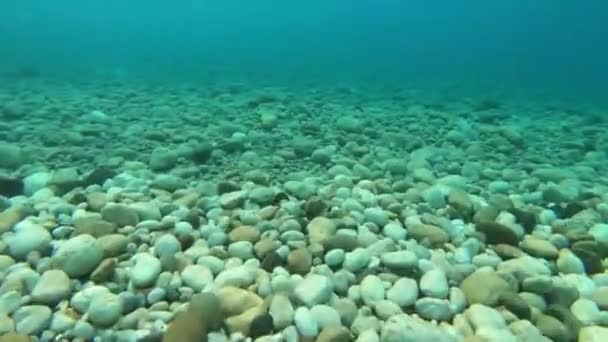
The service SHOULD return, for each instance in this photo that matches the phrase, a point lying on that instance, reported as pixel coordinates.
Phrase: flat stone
(232, 200)
(524, 267)
(93, 225)
(496, 233)
(539, 248)
(244, 233)
(52, 287)
(399, 260)
(120, 215)
(434, 235)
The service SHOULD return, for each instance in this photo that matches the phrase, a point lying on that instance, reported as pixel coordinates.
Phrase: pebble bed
(141, 213)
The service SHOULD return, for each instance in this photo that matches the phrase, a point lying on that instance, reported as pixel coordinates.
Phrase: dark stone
(99, 176)
(486, 214)
(10, 186)
(563, 295)
(224, 187)
(186, 240)
(315, 206)
(280, 197)
(201, 153)
(572, 209)
(271, 261)
(261, 326)
(552, 195)
(565, 316)
(590, 254)
(496, 233)
(514, 303)
(527, 219)
(207, 305)
(132, 301)
(194, 218)
(342, 241)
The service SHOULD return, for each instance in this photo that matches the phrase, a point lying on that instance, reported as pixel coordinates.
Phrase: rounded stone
(261, 325)
(434, 283)
(167, 245)
(299, 261)
(197, 277)
(27, 239)
(78, 256)
(52, 287)
(146, 270)
(105, 310)
(120, 214)
(372, 289)
(32, 319)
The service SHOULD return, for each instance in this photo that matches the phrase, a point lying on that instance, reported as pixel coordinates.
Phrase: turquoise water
(539, 49)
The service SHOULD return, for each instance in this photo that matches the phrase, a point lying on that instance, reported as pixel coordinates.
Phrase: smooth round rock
(197, 277)
(78, 256)
(105, 310)
(52, 287)
(146, 270)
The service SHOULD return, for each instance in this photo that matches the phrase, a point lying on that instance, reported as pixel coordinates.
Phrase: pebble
(79, 255)
(32, 319)
(167, 245)
(334, 258)
(326, 316)
(481, 316)
(52, 287)
(314, 289)
(198, 277)
(120, 214)
(299, 261)
(27, 238)
(433, 309)
(399, 260)
(488, 294)
(146, 270)
(320, 229)
(282, 311)
(404, 292)
(356, 260)
(105, 310)
(305, 322)
(567, 262)
(539, 248)
(372, 289)
(434, 283)
(593, 334)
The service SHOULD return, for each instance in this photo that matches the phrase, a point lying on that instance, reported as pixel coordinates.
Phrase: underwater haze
(295, 171)
(543, 47)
